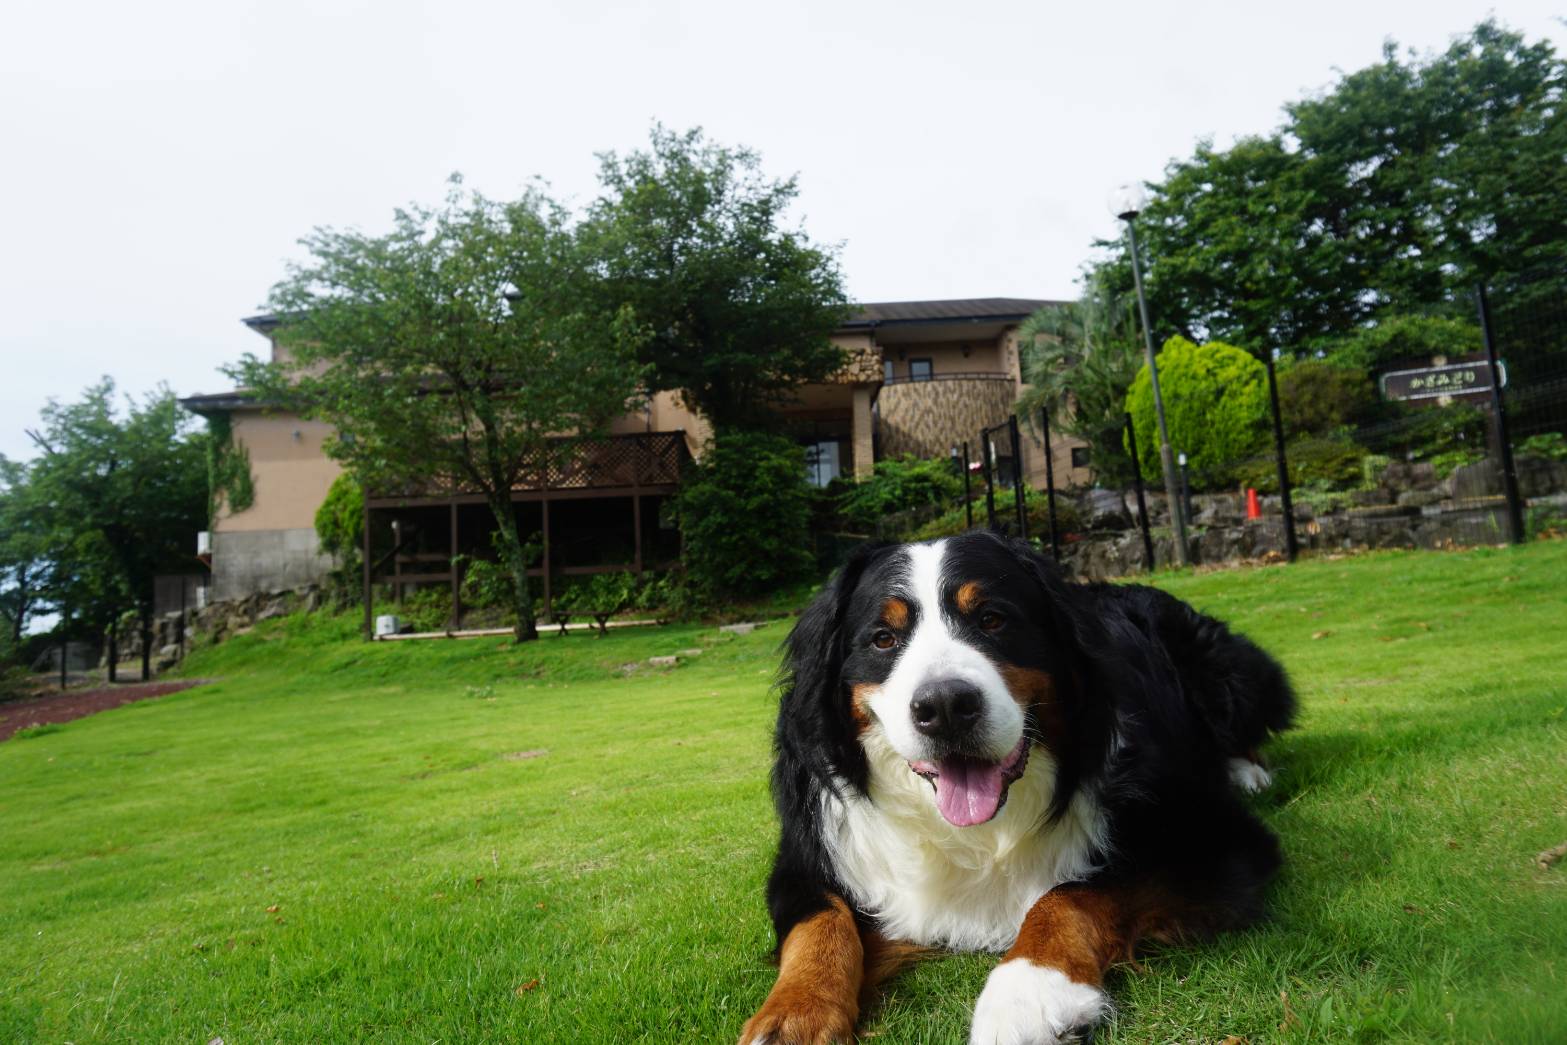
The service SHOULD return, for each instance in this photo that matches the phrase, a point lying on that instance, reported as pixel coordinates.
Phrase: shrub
(744, 514)
(1314, 461)
(898, 485)
(1405, 339)
(427, 609)
(340, 520)
(1447, 462)
(1216, 406)
(1316, 396)
(602, 595)
(1551, 445)
(340, 529)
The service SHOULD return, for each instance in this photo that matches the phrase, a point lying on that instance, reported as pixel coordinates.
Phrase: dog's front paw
(1249, 776)
(1028, 1004)
(798, 1018)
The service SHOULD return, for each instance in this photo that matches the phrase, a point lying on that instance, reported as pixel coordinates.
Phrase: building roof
(870, 314)
(873, 314)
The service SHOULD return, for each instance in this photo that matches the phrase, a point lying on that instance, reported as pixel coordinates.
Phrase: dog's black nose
(946, 708)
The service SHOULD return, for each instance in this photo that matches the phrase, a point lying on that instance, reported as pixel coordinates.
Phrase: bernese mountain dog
(975, 754)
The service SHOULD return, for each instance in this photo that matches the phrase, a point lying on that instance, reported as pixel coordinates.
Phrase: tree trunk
(516, 561)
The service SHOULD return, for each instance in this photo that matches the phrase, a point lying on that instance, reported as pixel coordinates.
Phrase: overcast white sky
(159, 160)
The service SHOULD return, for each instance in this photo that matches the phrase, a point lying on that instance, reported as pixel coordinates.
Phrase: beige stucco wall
(289, 468)
(946, 357)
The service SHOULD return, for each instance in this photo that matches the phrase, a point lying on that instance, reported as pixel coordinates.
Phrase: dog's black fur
(1178, 691)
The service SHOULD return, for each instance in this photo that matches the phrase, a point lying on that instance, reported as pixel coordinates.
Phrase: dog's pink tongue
(967, 793)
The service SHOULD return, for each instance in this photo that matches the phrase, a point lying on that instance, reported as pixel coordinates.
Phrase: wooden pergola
(631, 467)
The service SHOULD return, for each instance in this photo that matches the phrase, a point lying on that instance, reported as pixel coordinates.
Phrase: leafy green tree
(464, 349)
(740, 307)
(745, 512)
(1394, 191)
(1216, 406)
(125, 497)
(1078, 361)
(24, 559)
(1405, 339)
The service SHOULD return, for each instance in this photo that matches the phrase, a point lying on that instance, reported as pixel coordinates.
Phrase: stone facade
(925, 418)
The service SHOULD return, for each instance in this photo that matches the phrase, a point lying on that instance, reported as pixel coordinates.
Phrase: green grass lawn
(338, 841)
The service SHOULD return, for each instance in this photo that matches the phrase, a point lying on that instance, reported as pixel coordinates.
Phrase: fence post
(990, 486)
(1142, 505)
(65, 641)
(114, 649)
(1291, 547)
(1050, 485)
(364, 551)
(1499, 412)
(968, 499)
(1019, 495)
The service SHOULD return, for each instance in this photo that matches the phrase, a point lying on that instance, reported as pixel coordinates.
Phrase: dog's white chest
(965, 888)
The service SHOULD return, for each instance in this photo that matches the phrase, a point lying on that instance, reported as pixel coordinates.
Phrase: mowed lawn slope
(467, 841)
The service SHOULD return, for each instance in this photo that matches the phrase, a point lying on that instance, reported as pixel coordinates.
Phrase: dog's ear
(813, 717)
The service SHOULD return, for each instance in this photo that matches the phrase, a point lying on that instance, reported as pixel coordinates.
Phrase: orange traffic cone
(1253, 508)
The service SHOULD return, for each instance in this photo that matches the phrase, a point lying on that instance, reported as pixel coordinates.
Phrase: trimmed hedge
(1215, 403)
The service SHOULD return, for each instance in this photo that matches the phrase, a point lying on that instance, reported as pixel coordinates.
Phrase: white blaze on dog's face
(945, 705)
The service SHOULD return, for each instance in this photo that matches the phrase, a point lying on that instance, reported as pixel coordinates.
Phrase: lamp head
(1126, 201)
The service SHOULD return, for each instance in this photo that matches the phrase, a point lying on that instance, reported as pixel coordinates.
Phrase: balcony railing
(960, 375)
(637, 460)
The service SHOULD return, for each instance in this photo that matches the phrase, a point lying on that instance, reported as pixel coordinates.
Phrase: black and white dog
(974, 754)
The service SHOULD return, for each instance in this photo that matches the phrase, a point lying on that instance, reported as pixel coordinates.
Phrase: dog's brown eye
(884, 639)
(990, 620)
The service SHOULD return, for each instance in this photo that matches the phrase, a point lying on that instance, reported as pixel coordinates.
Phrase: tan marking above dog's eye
(883, 639)
(990, 620)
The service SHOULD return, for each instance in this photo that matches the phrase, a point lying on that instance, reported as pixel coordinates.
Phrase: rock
(1419, 498)
(1481, 479)
(691, 652)
(664, 662)
(744, 628)
(1106, 510)
(1540, 476)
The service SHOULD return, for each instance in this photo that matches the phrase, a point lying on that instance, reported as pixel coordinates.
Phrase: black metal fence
(1455, 451)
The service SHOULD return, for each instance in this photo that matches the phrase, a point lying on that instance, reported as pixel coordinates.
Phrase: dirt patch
(79, 703)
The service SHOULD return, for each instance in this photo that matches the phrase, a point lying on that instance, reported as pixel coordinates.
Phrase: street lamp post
(1126, 205)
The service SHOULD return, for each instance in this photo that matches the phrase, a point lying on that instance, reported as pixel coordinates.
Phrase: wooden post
(397, 561)
(636, 528)
(364, 540)
(456, 576)
(545, 505)
(114, 649)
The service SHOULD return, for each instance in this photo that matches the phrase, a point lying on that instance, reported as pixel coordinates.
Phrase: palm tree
(1078, 359)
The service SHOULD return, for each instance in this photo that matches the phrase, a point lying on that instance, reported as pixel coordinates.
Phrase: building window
(919, 370)
(1079, 457)
(821, 462)
(888, 370)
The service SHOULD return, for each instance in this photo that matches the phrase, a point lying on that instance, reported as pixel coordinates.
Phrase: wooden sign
(1464, 377)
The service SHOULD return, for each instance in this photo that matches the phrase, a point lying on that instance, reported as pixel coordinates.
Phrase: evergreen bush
(1215, 403)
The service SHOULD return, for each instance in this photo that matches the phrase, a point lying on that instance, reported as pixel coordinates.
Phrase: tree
(1216, 405)
(1394, 191)
(124, 499)
(1078, 360)
(24, 560)
(739, 308)
(464, 349)
(745, 512)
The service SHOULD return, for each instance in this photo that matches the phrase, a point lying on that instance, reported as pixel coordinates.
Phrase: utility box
(387, 624)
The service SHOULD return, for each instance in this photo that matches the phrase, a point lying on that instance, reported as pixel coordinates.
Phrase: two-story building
(923, 378)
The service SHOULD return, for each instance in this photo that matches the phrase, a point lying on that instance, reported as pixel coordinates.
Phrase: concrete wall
(248, 561)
